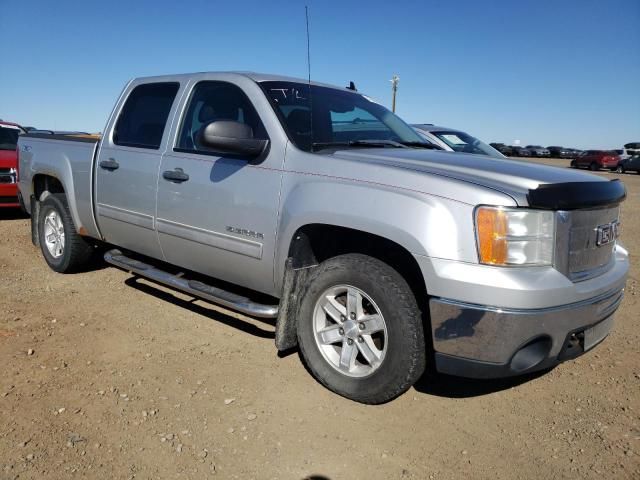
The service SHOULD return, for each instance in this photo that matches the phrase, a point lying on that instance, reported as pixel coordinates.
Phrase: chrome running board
(197, 289)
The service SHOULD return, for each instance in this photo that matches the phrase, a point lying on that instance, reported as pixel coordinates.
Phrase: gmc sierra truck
(375, 254)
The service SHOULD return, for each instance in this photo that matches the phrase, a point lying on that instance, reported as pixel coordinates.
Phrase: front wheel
(619, 169)
(63, 249)
(593, 166)
(360, 329)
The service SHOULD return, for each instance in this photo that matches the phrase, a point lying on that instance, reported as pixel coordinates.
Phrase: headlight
(514, 236)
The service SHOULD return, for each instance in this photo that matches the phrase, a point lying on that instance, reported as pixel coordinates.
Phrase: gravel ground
(106, 376)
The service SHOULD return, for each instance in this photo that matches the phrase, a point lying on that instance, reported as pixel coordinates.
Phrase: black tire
(573, 164)
(405, 357)
(619, 169)
(593, 166)
(76, 253)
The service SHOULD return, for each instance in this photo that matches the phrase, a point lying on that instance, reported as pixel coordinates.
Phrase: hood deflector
(576, 195)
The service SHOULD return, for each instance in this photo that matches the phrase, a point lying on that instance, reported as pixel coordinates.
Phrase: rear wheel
(63, 249)
(619, 169)
(360, 329)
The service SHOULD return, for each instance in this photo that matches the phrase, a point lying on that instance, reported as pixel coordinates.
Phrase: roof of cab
(255, 76)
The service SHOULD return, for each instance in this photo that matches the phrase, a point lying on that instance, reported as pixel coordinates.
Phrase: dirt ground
(105, 376)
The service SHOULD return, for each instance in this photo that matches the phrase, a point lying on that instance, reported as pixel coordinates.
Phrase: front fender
(423, 224)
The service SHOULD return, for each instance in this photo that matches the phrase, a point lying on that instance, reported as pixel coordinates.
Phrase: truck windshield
(8, 137)
(321, 117)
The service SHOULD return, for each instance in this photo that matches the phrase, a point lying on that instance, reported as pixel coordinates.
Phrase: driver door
(217, 213)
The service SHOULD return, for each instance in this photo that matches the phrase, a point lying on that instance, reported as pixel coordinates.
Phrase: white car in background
(453, 140)
(624, 153)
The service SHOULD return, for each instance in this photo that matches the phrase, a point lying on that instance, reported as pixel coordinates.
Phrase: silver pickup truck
(376, 255)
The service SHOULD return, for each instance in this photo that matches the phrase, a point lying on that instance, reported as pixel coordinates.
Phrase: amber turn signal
(491, 224)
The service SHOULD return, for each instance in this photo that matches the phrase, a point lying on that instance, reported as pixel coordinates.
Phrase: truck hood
(8, 159)
(512, 177)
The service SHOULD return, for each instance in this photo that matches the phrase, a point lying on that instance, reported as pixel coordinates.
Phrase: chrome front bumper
(486, 342)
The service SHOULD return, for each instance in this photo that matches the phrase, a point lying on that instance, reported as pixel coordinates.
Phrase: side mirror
(227, 136)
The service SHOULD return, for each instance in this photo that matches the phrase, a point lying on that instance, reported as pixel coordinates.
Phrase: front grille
(584, 258)
(7, 175)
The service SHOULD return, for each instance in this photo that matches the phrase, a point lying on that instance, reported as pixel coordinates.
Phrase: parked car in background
(632, 148)
(453, 140)
(560, 152)
(597, 159)
(574, 152)
(520, 151)
(9, 133)
(630, 164)
(502, 148)
(622, 153)
(537, 151)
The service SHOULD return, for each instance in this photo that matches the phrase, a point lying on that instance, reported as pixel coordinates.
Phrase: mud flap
(293, 289)
(35, 213)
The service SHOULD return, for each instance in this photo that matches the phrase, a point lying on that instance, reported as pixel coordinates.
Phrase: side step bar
(197, 289)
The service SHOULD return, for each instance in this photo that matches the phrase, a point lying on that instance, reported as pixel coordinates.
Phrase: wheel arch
(44, 184)
(315, 242)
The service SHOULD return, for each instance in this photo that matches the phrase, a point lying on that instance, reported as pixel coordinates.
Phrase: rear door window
(144, 116)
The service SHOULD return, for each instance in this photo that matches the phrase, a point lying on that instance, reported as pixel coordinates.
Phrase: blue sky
(547, 72)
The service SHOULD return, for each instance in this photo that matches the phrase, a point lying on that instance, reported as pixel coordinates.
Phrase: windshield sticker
(285, 93)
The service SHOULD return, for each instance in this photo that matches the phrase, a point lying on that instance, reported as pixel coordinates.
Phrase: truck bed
(69, 158)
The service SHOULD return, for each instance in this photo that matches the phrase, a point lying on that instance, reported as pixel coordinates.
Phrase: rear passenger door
(127, 168)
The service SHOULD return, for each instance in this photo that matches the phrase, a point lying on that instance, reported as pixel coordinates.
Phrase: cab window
(144, 116)
(212, 101)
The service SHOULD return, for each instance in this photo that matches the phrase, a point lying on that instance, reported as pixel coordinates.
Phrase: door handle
(110, 164)
(177, 175)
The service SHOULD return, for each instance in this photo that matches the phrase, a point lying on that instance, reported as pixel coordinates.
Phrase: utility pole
(394, 88)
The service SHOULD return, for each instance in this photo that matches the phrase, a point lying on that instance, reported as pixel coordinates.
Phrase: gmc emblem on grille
(607, 233)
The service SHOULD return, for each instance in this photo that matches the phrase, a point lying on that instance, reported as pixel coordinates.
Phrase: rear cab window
(143, 117)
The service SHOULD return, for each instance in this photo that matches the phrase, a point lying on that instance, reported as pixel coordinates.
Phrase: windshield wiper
(359, 143)
(428, 145)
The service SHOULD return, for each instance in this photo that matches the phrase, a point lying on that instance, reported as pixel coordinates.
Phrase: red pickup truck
(9, 133)
(597, 159)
